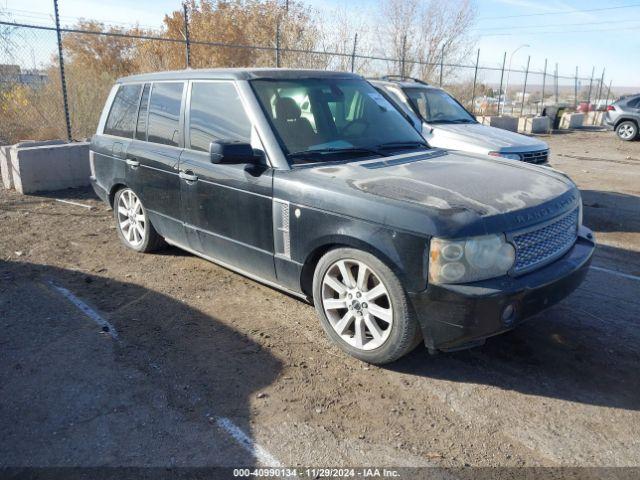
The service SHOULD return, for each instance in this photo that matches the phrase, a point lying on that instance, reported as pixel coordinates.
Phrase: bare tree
(422, 30)
(337, 35)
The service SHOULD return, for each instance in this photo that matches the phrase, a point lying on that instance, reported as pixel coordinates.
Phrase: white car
(445, 123)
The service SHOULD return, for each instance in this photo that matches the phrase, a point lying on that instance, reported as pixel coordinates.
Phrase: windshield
(318, 120)
(437, 106)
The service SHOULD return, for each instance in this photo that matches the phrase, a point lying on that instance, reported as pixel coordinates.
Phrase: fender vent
(282, 238)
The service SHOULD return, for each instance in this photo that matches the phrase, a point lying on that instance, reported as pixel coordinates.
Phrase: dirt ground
(192, 343)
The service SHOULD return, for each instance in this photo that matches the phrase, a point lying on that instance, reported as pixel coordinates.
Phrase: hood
(484, 137)
(438, 191)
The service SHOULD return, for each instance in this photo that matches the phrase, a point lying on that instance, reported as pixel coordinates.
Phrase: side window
(634, 103)
(122, 116)
(164, 113)
(216, 113)
(141, 128)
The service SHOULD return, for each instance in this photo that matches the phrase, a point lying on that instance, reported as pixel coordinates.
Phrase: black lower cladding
(100, 192)
(452, 316)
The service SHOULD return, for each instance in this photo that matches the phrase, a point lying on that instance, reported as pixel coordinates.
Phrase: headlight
(510, 156)
(470, 259)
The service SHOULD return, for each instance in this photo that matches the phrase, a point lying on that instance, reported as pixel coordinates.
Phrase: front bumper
(454, 316)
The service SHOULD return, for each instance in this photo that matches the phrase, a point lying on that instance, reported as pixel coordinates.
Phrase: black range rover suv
(312, 182)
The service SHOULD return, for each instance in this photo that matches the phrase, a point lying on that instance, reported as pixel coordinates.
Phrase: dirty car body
(332, 167)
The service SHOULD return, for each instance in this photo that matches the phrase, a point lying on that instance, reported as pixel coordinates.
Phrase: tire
(627, 131)
(128, 208)
(368, 316)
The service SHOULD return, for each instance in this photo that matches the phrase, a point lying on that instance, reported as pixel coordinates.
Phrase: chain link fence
(31, 85)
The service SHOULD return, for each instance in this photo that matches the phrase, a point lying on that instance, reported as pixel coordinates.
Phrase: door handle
(133, 163)
(188, 175)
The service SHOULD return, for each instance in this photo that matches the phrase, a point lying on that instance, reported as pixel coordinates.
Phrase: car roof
(402, 83)
(235, 74)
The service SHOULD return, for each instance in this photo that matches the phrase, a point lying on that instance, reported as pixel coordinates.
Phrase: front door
(227, 209)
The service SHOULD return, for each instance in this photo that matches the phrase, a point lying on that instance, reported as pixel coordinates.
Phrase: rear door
(227, 208)
(110, 146)
(153, 156)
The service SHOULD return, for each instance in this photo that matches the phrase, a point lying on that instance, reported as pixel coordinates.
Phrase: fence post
(575, 90)
(598, 97)
(278, 44)
(441, 63)
(404, 56)
(475, 79)
(504, 61)
(187, 41)
(524, 87)
(353, 53)
(63, 80)
(555, 76)
(593, 71)
(544, 83)
(608, 93)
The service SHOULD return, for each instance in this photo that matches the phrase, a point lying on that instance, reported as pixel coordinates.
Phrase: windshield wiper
(455, 120)
(333, 151)
(402, 145)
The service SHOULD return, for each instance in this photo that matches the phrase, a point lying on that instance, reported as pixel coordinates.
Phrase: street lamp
(506, 87)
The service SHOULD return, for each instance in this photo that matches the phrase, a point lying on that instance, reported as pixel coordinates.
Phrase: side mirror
(228, 151)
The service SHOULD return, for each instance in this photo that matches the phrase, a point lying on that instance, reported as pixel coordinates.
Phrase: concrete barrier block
(504, 122)
(594, 118)
(38, 143)
(534, 124)
(5, 166)
(571, 120)
(50, 167)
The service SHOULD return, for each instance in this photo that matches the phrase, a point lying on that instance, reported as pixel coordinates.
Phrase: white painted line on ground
(74, 203)
(616, 273)
(247, 443)
(86, 309)
(224, 423)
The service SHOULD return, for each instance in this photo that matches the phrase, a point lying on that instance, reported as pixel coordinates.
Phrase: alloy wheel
(357, 304)
(131, 218)
(626, 131)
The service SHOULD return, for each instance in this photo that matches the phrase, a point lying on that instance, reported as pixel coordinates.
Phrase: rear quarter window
(122, 116)
(634, 102)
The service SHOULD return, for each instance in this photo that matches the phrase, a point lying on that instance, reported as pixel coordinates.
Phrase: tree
(244, 23)
(429, 28)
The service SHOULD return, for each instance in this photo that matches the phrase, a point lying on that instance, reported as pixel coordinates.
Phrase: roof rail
(402, 78)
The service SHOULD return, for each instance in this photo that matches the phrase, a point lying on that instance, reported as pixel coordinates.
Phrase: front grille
(541, 156)
(537, 247)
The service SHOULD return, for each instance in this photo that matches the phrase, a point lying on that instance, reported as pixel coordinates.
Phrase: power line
(567, 12)
(559, 32)
(46, 16)
(554, 25)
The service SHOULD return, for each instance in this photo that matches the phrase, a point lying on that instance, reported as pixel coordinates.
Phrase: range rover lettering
(313, 183)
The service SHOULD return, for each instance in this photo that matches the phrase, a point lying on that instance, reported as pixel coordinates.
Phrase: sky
(583, 33)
